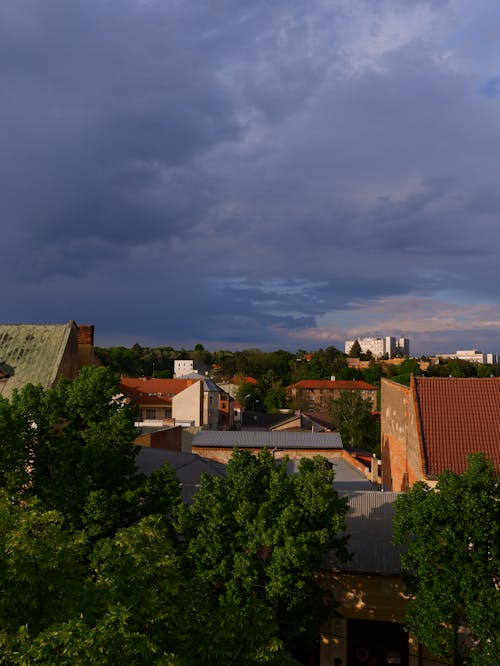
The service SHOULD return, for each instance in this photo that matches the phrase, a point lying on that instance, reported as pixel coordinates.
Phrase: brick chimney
(85, 334)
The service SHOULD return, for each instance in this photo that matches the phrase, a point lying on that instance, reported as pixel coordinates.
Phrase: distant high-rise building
(379, 347)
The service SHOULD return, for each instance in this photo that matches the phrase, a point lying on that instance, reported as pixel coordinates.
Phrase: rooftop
(369, 524)
(458, 416)
(336, 384)
(31, 353)
(271, 440)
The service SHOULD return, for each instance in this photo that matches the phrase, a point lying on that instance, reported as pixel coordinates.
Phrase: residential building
(184, 367)
(218, 445)
(433, 424)
(380, 347)
(194, 400)
(314, 395)
(218, 410)
(473, 355)
(370, 592)
(155, 398)
(233, 385)
(41, 354)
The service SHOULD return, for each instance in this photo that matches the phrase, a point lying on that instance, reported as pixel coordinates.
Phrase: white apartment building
(380, 346)
(473, 355)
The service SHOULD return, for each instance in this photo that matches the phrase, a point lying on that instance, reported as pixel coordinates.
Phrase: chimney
(85, 334)
(332, 378)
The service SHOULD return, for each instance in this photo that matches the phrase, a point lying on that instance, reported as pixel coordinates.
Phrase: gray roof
(347, 477)
(369, 526)
(31, 353)
(188, 467)
(271, 440)
(208, 382)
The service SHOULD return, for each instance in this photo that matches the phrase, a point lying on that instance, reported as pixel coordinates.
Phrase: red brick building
(315, 394)
(434, 424)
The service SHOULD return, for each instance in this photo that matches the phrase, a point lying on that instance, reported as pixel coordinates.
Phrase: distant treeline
(278, 366)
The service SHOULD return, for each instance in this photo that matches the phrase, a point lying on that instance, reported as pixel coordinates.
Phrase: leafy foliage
(453, 562)
(72, 448)
(352, 416)
(260, 536)
(99, 564)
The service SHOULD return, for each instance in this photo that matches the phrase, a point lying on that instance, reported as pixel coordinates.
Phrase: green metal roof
(31, 353)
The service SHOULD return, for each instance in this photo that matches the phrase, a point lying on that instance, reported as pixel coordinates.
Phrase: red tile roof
(153, 391)
(458, 417)
(338, 385)
(242, 380)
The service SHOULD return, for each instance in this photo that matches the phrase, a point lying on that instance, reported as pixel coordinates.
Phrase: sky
(271, 174)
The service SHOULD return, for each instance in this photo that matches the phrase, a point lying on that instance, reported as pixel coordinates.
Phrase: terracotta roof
(338, 384)
(153, 391)
(242, 380)
(458, 417)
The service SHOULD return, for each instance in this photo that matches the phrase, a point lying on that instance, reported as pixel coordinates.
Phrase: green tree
(72, 447)
(355, 350)
(452, 533)
(42, 569)
(353, 418)
(259, 537)
(250, 397)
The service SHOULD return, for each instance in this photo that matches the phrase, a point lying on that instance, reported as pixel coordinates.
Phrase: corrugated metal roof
(271, 440)
(31, 353)
(369, 526)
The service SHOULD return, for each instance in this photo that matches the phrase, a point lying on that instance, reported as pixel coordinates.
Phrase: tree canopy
(352, 416)
(100, 564)
(452, 534)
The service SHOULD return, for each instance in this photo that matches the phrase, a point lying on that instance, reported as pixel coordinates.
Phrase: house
(434, 424)
(218, 445)
(165, 401)
(41, 354)
(232, 386)
(194, 400)
(369, 590)
(218, 406)
(315, 394)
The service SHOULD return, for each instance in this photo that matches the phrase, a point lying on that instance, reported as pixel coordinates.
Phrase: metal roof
(271, 440)
(31, 353)
(369, 526)
(188, 467)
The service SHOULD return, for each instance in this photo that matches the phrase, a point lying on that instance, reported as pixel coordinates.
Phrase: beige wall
(364, 597)
(188, 404)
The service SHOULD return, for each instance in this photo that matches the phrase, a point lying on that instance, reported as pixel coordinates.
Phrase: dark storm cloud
(249, 173)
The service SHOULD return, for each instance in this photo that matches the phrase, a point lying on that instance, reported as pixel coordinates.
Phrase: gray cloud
(243, 174)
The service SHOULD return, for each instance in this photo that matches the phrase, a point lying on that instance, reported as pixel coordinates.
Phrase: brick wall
(402, 458)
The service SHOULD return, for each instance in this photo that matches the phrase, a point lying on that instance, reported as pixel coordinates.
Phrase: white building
(381, 346)
(473, 355)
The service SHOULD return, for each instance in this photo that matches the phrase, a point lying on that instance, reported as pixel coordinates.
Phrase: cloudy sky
(274, 173)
